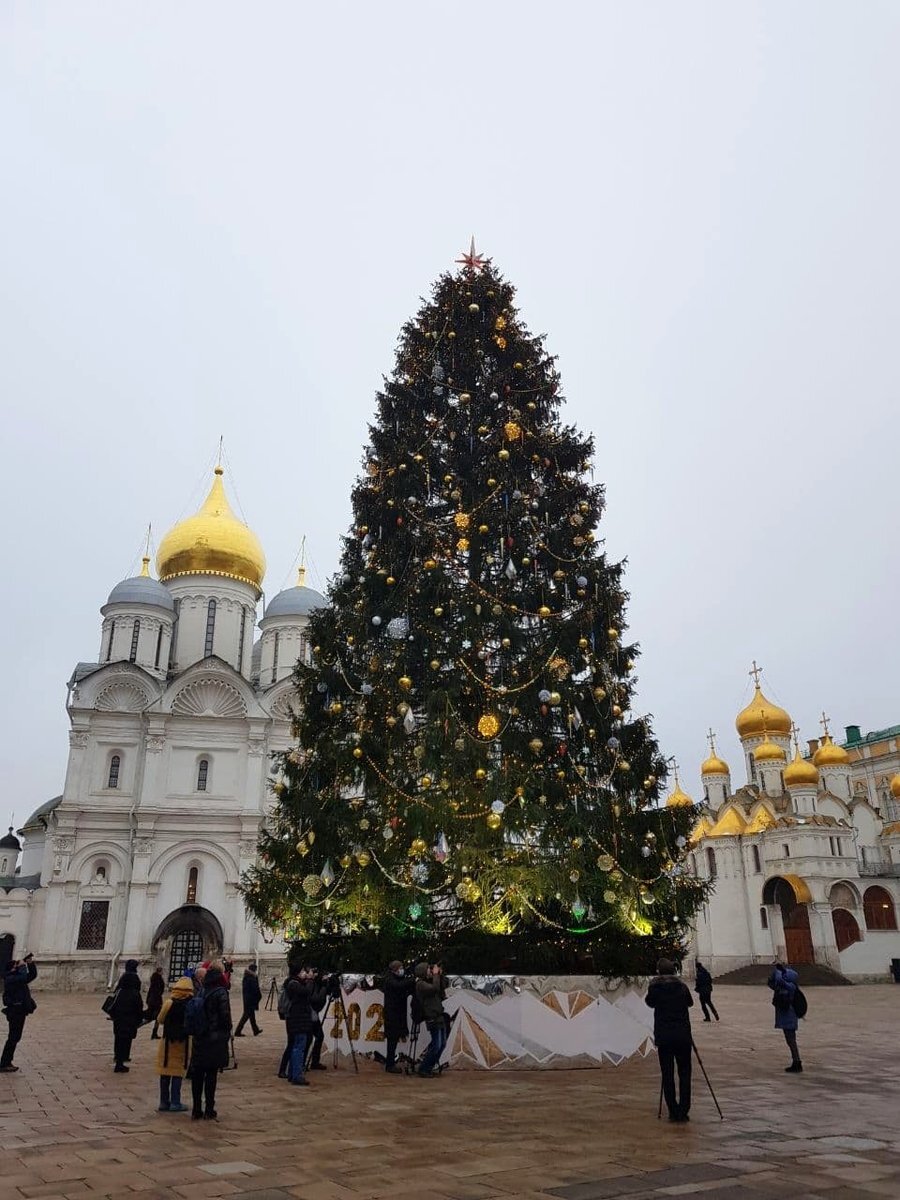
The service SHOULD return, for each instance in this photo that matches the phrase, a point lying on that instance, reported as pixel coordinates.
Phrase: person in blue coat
(783, 982)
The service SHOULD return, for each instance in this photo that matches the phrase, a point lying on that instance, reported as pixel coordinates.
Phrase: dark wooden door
(846, 928)
(797, 936)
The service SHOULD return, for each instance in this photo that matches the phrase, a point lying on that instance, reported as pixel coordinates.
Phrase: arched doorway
(7, 946)
(186, 937)
(846, 928)
(792, 896)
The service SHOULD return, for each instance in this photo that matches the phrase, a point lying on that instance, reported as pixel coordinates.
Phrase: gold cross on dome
(795, 730)
(755, 671)
(711, 738)
(824, 723)
(472, 261)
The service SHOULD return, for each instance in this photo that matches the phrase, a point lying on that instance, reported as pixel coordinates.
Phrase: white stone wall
(233, 600)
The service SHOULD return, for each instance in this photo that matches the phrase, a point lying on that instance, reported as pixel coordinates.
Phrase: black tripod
(339, 1011)
(272, 998)
(708, 1084)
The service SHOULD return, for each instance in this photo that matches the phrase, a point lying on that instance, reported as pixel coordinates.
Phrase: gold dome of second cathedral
(761, 716)
(212, 542)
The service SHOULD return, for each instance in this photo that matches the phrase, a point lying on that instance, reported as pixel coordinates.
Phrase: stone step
(811, 975)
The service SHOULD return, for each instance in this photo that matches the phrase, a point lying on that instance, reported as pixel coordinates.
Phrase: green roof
(877, 735)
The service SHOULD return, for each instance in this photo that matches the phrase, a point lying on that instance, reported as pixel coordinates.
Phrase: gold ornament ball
(390, 722)
(624, 766)
(535, 745)
(583, 643)
(574, 876)
(461, 520)
(337, 707)
(435, 664)
(609, 896)
(492, 483)
(357, 752)
(519, 366)
(426, 781)
(555, 699)
(606, 862)
(483, 529)
(488, 725)
(363, 857)
(459, 744)
(612, 634)
(429, 564)
(464, 397)
(480, 773)
(418, 846)
(438, 612)
(494, 820)
(390, 581)
(345, 860)
(577, 843)
(543, 611)
(599, 693)
(474, 308)
(405, 682)
(560, 774)
(462, 545)
(462, 889)
(503, 455)
(364, 823)
(616, 710)
(505, 643)
(302, 847)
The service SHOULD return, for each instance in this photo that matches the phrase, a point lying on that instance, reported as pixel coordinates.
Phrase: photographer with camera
(325, 988)
(430, 992)
(397, 988)
(18, 1005)
(301, 994)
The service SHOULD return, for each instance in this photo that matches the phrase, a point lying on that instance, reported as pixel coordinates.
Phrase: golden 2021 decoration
(488, 725)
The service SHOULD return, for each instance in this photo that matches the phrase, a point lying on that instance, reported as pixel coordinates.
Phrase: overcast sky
(215, 217)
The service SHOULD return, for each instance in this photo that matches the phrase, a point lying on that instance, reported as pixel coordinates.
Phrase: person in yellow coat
(173, 1055)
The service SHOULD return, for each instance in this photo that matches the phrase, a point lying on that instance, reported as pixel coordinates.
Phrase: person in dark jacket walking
(155, 991)
(397, 990)
(18, 1005)
(209, 1053)
(430, 993)
(783, 982)
(126, 1016)
(670, 1000)
(703, 986)
(252, 996)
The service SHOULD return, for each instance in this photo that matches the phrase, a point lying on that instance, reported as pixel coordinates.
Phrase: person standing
(126, 1016)
(18, 1005)
(430, 993)
(670, 1000)
(317, 1002)
(252, 997)
(299, 1023)
(173, 1055)
(397, 990)
(783, 982)
(703, 986)
(155, 989)
(210, 1034)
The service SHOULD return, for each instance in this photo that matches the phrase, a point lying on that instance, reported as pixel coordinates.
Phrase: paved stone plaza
(69, 1127)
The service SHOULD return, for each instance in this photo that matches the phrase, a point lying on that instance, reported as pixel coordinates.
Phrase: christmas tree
(467, 755)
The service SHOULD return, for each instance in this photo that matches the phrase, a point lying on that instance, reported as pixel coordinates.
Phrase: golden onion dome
(800, 772)
(714, 766)
(678, 797)
(830, 755)
(212, 542)
(769, 751)
(762, 716)
(895, 787)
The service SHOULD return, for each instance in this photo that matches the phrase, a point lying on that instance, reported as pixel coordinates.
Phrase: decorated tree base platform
(513, 1022)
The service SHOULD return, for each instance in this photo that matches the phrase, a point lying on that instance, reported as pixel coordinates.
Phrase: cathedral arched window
(210, 628)
(202, 774)
(193, 880)
(158, 646)
(757, 864)
(174, 637)
(711, 865)
(764, 917)
(878, 908)
(275, 660)
(240, 656)
(135, 635)
(112, 780)
(109, 644)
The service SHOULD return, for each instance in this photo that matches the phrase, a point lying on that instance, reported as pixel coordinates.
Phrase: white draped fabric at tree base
(521, 1023)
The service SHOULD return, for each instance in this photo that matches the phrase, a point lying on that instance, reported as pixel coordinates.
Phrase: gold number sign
(375, 1032)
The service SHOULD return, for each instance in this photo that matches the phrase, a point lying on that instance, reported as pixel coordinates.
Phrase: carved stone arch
(122, 695)
(194, 848)
(106, 849)
(209, 698)
(284, 705)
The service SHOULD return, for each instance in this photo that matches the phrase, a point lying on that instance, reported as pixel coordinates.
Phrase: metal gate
(187, 951)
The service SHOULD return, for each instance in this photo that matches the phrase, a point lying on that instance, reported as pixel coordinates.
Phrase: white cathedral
(803, 858)
(169, 771)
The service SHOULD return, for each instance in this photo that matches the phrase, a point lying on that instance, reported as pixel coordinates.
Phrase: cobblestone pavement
(70, 1128)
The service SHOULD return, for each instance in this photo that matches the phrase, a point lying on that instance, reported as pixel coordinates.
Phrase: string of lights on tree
(467, 753)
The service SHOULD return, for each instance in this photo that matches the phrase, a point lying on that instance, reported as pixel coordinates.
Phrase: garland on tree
(467, 755)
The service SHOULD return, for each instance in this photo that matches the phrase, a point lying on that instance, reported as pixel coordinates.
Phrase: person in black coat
(302, 995)
(252, 997)
(397, 991)
(209, 1053)
(703, 986)
(18, 1004)
(155, 991)
(670, 1000)
(127, 1015)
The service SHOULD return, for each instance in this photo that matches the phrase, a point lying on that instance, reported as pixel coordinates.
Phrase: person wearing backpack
(207, 1021)
(787, 999)
(174, 1051)
(127, 1015)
